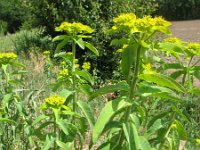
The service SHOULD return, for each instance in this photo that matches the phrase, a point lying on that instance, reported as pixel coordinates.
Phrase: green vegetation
(111, 85)
(150, 110)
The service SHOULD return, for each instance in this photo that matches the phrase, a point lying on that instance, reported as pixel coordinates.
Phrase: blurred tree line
(27, 14)
(179, 9)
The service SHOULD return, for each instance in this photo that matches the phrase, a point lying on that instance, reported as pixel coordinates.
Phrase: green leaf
(172, 48)
(92, 48)
(6, 120)
(155, 118)
(173, 66)
(153, 128)
(86, 75)
(48, 143)
(119, 42)
(163, 80)
(65, 56)
(64, 146)
(61, 45)
(38, 119)
(6, 100)
(144, 144)
(161, 29)
(177, 74)
(128, 57)
(80, 43)
(197, 72)
(181, 131)
(87, 112)
(195, 91)
(121, 86)
(146, 90)
(177, 110)
(65, 93)
(63, 126)
(131, 134)
(87, 89)
(109, 111)
(60, 37)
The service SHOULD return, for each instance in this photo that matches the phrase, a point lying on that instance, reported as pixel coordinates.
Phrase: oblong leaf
(163, 80)
(87, 112)
(123, 86)
(92, 48)
(110, 109)
(86, 75)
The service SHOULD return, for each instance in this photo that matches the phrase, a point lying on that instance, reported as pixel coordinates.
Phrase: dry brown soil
(187, 30)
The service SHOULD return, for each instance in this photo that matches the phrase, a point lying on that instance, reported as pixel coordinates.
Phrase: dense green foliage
(179, 9)
(150, 109)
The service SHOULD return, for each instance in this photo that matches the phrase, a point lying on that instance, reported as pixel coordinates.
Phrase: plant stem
(187, 73)
(136, 71)
(132, 89)
(54, 132)
(73, 74)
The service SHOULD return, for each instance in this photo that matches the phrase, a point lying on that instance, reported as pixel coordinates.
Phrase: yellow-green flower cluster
(74, 28)
(64, 73)
(63, 63)
(125, 22)
(193, 48)
(47, 53)
(148, 69)
(55, 100)
(86, 65)
(198, 141)
(6, 57)
(174, 40)
(129, 22)
(174, 126)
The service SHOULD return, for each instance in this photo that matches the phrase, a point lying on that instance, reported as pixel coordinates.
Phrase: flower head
(64, 72)
(86, 65)
(125, 22)
(147, 24)
(193, 48)
(174, 126)
(74, 27)
(174, 40)
(46, 53)
(198, 141)
(55, 100)
(6, 57)
(125, 18)
(148, 69)
(63, 63)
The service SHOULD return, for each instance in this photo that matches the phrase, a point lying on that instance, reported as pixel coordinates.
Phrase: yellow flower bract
(64, 72)
(86, 65)
(47, 53)
(55, 100)
(194, 48)
(5, 57)
(74, 28)
(129, 22)
(174, 40)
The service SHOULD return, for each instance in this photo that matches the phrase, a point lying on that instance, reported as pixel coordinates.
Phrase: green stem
(136, 71)
(73, 74)
(196, 63)
(132, 89)
(187, 73)
(54, 132)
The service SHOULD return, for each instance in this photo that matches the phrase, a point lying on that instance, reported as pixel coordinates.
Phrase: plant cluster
(148, 107)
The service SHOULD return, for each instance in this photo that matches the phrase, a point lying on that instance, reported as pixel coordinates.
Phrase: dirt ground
(187, 30)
